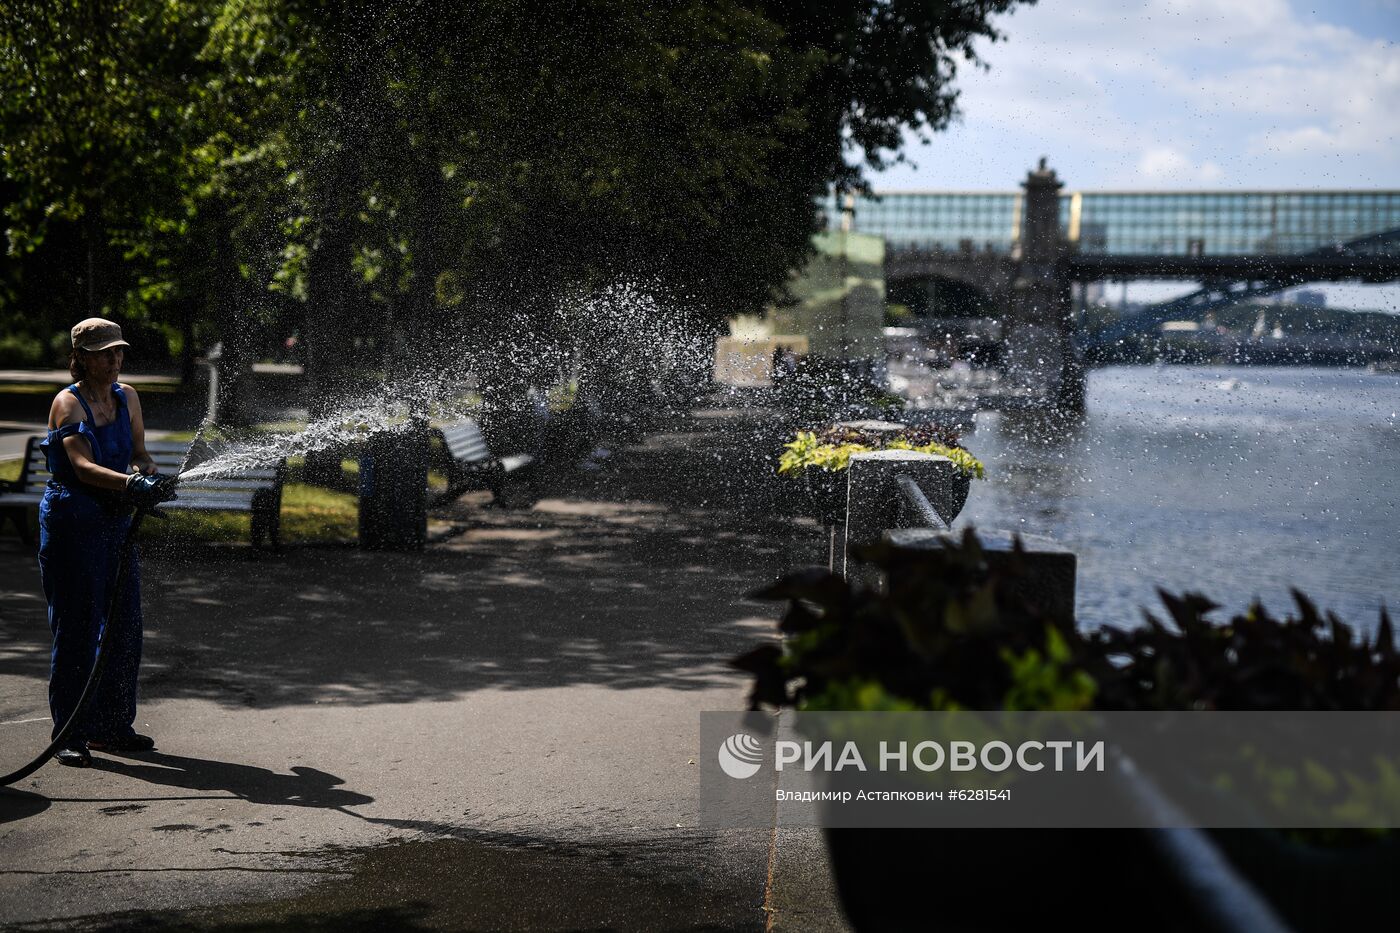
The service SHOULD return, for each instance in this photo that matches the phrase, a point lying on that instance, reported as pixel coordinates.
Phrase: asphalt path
(500, 732)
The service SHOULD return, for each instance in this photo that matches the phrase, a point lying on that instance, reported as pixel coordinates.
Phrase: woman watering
(96, 435)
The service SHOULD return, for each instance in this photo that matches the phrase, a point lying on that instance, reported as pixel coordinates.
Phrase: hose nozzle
(146, 491)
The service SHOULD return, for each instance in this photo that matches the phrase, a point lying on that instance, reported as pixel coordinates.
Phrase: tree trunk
(327, 343)
(187, 354)
(230, 390)
(425, 337)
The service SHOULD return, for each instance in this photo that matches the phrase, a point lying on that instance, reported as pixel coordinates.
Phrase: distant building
(840, 298)
(1180, 327)
(1093, 237)
(838, 313)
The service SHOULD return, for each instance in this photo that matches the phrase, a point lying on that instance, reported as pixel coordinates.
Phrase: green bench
(255, 491)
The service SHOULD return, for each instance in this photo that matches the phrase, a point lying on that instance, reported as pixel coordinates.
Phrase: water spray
(621, 328)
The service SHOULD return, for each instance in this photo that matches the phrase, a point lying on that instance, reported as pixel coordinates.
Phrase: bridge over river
(1025, 249)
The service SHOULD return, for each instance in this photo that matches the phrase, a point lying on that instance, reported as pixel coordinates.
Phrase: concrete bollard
(873, 496)
(1050, 569)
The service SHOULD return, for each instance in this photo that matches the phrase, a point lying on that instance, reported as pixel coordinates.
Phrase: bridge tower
(1040, 352)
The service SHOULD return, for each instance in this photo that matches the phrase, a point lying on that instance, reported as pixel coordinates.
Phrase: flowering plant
(831, 449)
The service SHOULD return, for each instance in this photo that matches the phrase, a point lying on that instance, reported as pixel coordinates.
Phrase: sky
(1177, 95)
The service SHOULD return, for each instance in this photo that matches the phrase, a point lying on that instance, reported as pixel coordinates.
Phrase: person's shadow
(20, 804)
(304, 787)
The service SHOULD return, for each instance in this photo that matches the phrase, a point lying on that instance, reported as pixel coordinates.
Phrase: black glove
(147, 492)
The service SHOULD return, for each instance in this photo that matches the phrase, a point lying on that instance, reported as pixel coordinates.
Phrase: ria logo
(740, 756)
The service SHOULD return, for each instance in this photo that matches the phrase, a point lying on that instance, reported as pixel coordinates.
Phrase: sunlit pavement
(500, 732)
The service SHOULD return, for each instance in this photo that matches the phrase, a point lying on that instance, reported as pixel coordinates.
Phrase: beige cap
(97, 333)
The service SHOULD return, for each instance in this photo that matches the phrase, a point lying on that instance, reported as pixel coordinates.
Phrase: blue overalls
(79, 537)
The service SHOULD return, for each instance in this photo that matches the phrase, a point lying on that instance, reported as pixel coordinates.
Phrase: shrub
(20, 351)
(951, 632)
(947, 635)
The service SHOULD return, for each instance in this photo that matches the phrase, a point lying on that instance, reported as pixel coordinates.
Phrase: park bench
(470, 464)
(18, 496)
(256, 491)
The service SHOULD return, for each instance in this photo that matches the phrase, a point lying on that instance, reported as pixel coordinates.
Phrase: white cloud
(1165, 164)
(1172, 92)
(1349, 103)
(1302, 139)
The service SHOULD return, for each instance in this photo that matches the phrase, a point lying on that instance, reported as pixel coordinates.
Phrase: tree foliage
(414, 167)
(99, 114)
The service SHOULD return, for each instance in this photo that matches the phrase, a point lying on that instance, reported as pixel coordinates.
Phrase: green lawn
(310, 515)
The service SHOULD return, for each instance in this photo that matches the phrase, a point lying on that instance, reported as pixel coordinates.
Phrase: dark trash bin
(394, 490)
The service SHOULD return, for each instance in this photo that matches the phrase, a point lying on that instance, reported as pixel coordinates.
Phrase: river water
(1235, 482)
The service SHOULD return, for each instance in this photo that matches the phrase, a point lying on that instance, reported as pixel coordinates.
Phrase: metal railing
(915, 511)
(1220, 897)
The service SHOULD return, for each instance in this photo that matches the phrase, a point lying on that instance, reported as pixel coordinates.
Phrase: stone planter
(1104, 879)
(1315, 888)
(824, 495)
(974, 880)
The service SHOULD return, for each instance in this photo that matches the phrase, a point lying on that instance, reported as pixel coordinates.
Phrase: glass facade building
(936, 220)
(1220, 223)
